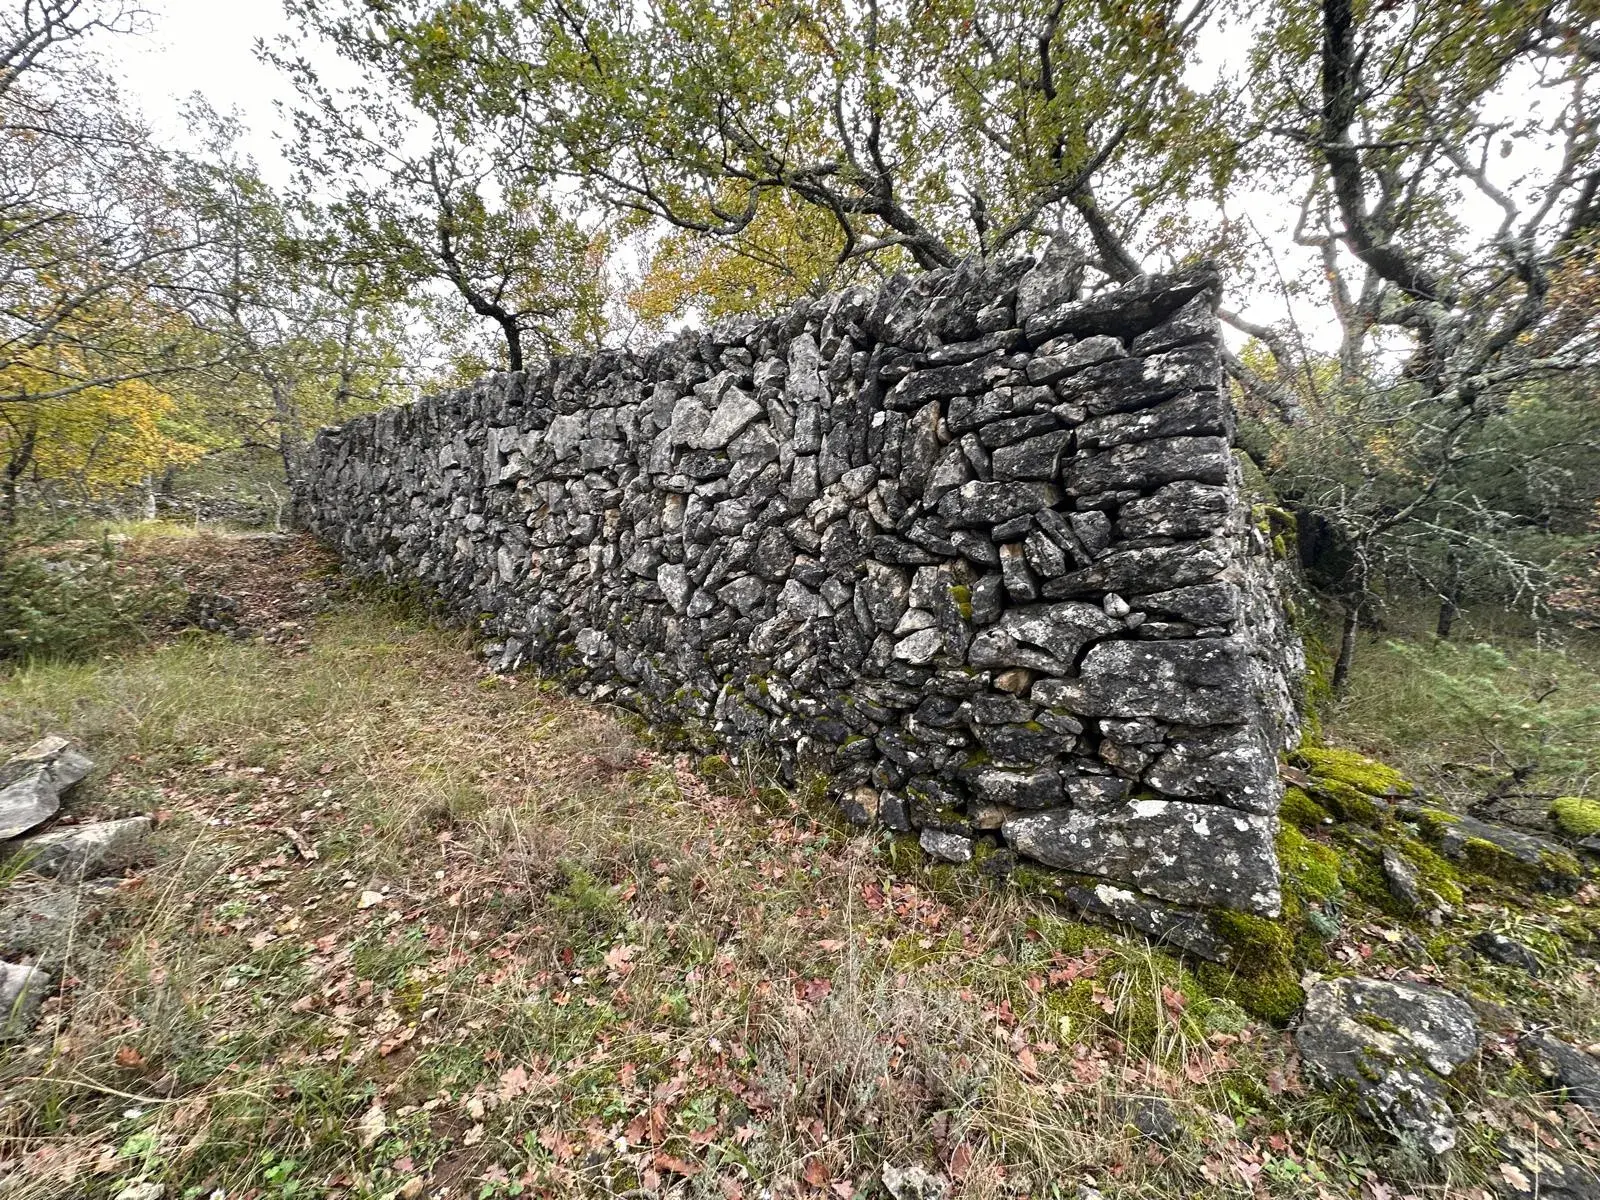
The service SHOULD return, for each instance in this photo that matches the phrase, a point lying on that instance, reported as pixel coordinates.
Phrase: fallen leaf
(677, 1166)
(128, 1057)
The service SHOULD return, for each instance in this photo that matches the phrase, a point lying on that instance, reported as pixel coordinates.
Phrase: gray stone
(1232, 765)
(1203, 682)
(1184, 508)
(1401, 879)
(1172, 849)
(949, 847)
(71, 852)
(1507, 951)
(33, 781)
(980, 503)
(1145, 465)
(1544, 864)
(1390, 1046)
(1566, 1066)
(1530, 1171)
(1185, 930)
(22, 990)
(1039, 788)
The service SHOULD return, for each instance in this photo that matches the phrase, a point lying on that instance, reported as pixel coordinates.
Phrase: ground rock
(22, 989)
(32, 783)
(1390, 1046)
(1567, 1066)
(1497, 850)
(71, 852)
(1531, 1172)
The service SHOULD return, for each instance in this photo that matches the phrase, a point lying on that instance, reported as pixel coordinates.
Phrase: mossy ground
(407, 929)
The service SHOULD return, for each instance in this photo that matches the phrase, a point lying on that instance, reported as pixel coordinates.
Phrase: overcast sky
(207, 46)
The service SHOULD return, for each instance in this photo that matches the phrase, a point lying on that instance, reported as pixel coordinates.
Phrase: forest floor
(406, 928)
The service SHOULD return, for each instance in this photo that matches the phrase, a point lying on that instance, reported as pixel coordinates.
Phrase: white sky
(207, 46)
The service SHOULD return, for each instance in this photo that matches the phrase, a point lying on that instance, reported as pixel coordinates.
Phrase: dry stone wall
(972, 545)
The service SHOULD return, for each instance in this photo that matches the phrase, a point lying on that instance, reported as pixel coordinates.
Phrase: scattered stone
(1566, 1066)
(1401, 878)
(22, 990)
(1506, 951)
(36, 920)
(1509, 854)
(947, 847)
(32, 783)
(913, 1183)
(1530, 1172)
(72, 852)
(1152, 1117)
(1390, 1046)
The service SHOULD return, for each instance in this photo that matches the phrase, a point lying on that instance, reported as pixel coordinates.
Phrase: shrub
(71, 601)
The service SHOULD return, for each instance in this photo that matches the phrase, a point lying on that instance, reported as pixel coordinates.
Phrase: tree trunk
(513, 332)
(1450, 600)
(1347, 645)
(20, 458)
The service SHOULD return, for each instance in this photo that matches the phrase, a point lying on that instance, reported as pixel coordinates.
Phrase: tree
(297, 335)
(932, 129)
(425, 195)
(1392, 122)
(790, 249)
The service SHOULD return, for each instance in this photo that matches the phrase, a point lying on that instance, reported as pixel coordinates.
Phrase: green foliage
(71, 602)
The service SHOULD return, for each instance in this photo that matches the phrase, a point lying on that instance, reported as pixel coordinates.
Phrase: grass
(1464, 716)
(406, 929)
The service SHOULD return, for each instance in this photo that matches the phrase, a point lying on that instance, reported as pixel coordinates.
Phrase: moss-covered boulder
(1576, 817)
(1367, 775)
(1509, 855)
(1390, 1047)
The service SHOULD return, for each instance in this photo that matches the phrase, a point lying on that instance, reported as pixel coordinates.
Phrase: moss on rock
(1357, 770)
(1346, 802)
(1260, 975)
(1301, 810)
(1575, 816)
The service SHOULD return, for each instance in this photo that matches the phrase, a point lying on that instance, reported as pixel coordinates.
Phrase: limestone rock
(1566, 1066)
(71, 852)
(1529, 1171)
(22, 990)
(949, 847)
(1187, 853)
(1390, 1046)
(32, 783)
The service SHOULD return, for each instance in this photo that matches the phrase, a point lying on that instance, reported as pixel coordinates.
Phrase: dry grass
(406, 929)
